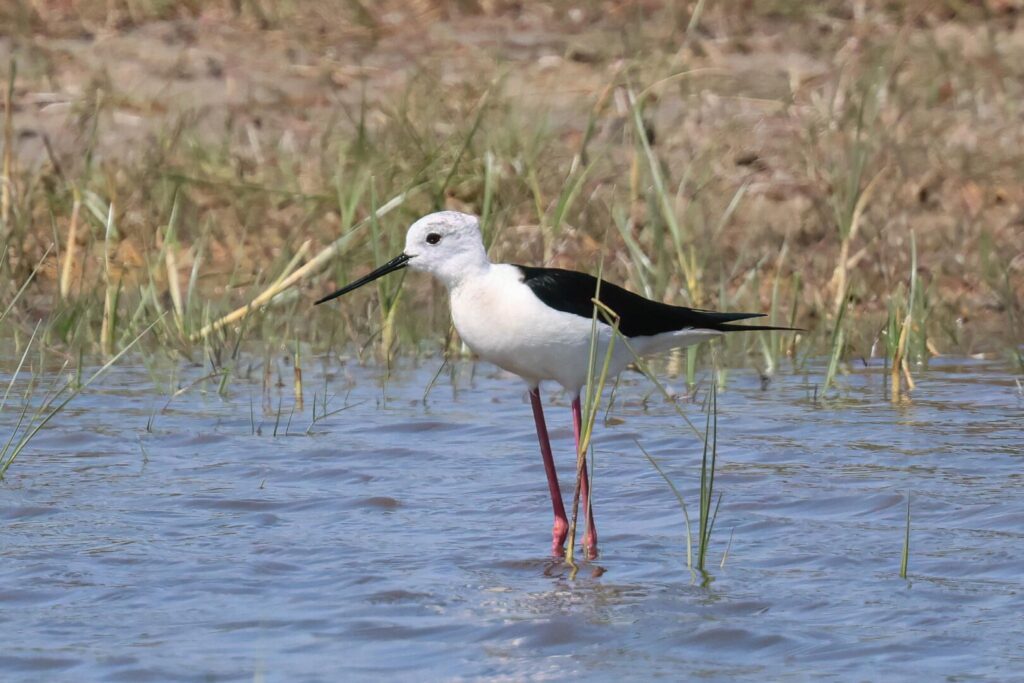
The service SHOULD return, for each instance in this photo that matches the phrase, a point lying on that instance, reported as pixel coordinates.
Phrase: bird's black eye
(433, 238)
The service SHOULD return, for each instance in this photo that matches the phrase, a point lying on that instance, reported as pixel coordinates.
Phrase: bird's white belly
(524, 349)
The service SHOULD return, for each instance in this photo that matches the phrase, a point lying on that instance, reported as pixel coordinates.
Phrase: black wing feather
(570, 291)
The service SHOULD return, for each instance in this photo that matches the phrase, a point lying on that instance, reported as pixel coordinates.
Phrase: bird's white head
(448, 245)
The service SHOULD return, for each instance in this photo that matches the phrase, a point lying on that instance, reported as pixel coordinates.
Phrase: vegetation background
(172, 161)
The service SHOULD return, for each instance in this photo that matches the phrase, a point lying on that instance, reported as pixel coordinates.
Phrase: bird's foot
(590, 546)
(558, 534)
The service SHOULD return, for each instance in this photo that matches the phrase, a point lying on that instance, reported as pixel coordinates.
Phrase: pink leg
(590, 539)
(561, 526)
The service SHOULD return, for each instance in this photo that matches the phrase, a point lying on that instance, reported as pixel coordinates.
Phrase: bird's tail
(723, 322)
(725, 327)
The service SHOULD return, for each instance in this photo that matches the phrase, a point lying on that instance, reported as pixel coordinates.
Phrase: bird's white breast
(504, 322)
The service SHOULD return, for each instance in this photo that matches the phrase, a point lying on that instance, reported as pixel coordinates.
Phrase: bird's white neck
(455, 278)
(457, 269)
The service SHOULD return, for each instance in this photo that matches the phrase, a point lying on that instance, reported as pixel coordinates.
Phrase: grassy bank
(175, 162)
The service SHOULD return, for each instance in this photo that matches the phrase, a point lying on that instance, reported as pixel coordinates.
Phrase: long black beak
(394, 264)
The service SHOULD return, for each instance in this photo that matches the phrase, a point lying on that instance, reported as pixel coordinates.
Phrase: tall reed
(591, 404)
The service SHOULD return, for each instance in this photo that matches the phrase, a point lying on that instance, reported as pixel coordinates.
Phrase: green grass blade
(905, 555)
(679, 497)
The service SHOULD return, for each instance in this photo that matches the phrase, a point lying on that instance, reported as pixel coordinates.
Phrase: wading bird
(537, 323)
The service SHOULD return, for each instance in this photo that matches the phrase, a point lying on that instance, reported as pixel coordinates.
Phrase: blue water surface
(148, 538)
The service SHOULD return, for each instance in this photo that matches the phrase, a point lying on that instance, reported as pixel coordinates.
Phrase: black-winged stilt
(537, 323)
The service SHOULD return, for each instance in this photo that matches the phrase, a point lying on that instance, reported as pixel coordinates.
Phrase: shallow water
(410, 539)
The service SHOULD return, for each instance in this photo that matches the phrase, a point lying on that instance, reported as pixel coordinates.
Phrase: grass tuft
(52, 404)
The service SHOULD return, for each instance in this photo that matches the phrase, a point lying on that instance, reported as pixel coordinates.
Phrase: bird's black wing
(570, 291)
